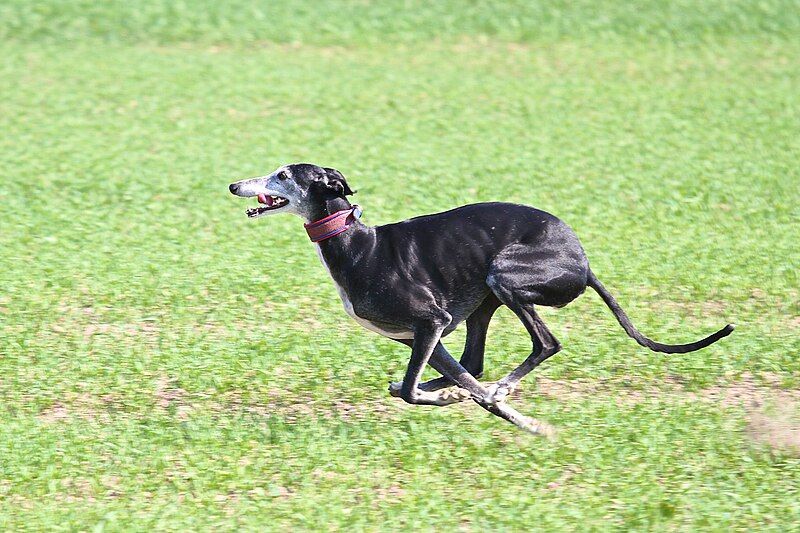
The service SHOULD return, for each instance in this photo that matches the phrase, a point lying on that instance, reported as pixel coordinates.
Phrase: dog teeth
(272, 202)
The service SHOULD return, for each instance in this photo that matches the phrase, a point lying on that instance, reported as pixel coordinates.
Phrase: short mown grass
(166, 363)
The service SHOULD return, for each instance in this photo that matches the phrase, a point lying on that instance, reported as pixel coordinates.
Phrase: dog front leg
(471, 359)
(432, 396)
(426, 342)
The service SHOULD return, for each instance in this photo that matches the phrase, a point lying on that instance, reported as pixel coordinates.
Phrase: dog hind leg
(545, 345)
(522, 278)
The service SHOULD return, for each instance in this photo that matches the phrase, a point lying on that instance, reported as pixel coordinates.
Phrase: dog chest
(348, 307)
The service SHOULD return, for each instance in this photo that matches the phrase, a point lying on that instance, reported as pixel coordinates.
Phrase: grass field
(166, 363)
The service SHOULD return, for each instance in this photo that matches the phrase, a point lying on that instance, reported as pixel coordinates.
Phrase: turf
(166, 363)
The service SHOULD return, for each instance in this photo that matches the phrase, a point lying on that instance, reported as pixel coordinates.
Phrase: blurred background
(166, 363)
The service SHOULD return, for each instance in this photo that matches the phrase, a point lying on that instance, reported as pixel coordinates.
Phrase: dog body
(415, 281)
(390, 276)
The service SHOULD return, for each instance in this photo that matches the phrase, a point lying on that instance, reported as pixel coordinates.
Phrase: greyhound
(415, 281)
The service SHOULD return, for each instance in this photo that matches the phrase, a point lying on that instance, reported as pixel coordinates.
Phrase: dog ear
(334, 180)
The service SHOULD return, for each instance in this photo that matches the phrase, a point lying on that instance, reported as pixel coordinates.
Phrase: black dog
(415, 281)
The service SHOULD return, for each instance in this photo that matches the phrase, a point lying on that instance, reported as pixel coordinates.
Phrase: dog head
(302, 189)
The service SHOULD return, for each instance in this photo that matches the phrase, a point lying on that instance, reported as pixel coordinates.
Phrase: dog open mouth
(271, 203)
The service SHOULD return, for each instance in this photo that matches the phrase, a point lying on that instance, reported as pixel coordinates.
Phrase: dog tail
(626, 324)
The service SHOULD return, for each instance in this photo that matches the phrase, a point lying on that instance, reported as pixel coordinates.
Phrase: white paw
(498, 393)
(454, 395)
(537, 427)
(442, 397)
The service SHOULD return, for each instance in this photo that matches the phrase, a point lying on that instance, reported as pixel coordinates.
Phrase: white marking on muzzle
(252, 187)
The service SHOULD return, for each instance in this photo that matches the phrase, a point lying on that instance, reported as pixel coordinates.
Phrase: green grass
(166, 363)
(354, 22)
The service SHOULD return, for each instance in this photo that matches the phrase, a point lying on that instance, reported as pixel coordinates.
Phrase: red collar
(332, 225)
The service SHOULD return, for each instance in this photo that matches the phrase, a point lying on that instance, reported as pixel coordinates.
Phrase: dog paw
(498, 393)
(442, 397)
(453, 395)
(394, 388)
(543, 429)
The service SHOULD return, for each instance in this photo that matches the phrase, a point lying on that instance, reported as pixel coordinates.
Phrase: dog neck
(341, 252)
(333, 217)
(332, 225)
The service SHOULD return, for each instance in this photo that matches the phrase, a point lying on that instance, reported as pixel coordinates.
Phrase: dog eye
(282, 175)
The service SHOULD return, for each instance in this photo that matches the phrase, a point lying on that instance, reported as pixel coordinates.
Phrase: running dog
(415, 281)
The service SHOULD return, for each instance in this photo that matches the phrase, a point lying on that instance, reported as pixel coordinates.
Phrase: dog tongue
(264, 199)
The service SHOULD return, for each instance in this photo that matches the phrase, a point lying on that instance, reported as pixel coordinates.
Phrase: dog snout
(234, 188)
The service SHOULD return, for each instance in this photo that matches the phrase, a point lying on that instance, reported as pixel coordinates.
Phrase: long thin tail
(626, 324)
